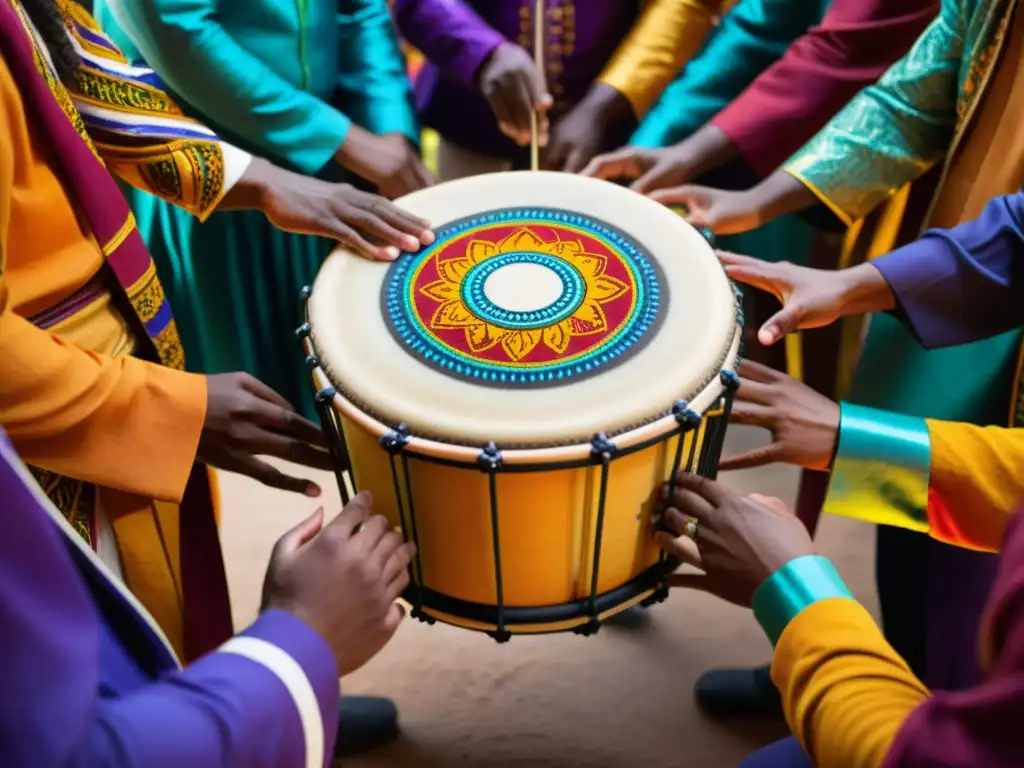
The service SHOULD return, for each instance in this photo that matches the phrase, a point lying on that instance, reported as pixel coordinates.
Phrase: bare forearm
(249, 192)
(706, 149)
(864, 290)
(780, 194)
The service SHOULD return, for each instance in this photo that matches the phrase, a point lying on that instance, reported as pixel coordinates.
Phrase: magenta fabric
(821, 71)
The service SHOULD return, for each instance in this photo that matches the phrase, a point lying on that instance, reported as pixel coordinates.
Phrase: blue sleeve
(373, 85)
(751, 37)
(958, 285)
(268, 697)
(183, 41)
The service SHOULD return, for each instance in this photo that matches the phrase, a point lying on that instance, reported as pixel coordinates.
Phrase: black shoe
(738, 693)
(365, 723)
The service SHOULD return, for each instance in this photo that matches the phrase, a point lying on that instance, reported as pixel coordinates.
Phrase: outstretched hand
(722, 211)
(811, 298)
(739, 541)
(646, 169)
(804, 424)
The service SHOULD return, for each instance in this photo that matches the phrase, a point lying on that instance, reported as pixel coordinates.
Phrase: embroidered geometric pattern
(76, 499)
(892, 132)
(524, 298)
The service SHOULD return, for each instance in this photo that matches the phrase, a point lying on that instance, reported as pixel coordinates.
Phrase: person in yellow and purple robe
(605, 63)
(93, 394)
(945, 119)
(848, 697)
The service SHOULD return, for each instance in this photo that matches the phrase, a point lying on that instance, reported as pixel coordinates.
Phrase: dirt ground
(616, 700)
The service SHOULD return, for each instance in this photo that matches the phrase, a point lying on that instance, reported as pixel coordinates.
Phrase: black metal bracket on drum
(688, 420)
(708, 235)
(490, 460)
(601, 450)
(394, 442)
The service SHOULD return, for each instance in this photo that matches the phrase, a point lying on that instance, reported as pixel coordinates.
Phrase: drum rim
(659, 427)
(427, 439)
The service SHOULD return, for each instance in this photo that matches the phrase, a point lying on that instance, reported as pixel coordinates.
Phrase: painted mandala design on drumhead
(524, 298)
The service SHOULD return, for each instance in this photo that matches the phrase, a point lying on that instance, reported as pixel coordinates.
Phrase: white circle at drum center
(523, 287)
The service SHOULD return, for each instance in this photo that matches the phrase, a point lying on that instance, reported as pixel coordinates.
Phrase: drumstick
(538, 60)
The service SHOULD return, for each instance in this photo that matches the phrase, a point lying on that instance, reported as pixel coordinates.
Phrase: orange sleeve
(845, 691)
(975, 484)
(123, 422)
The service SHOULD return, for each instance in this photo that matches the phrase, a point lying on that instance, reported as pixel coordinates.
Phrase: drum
(515, 394)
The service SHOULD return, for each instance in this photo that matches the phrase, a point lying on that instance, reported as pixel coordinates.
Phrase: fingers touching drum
(514, 393)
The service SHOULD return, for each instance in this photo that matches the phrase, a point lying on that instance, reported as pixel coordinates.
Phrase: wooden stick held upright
(538, 60)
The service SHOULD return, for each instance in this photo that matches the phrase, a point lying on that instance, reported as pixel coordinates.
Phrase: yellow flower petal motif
(518, 344)
(589, 317)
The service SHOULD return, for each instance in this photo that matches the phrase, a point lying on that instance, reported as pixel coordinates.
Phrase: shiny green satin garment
(750, 38)
(895, 130)
(283, 79)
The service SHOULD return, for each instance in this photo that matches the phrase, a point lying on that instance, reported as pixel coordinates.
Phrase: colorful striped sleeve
(959, 483)
(140, 132)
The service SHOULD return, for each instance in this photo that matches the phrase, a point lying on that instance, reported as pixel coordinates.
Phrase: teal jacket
(749, 39)
(279, 78)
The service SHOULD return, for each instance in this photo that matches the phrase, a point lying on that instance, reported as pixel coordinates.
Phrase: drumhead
(551, 307)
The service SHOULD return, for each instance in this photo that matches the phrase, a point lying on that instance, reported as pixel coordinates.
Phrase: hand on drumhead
(647, 169)
(804, 425)
(811, 298)
(342, 579)
(737, 541)
(245, 419)
(514, 89)
(722, 211)
(366, 223)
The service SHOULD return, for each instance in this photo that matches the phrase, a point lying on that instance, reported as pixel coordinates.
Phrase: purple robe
(457, 36)
(89, 680)
(958, 285)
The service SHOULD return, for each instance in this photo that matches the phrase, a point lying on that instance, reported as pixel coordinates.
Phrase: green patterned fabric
(283, 80)
(895, 130)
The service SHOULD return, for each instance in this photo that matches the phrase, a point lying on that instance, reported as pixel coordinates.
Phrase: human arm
(954, 286)
(957, 482)
(450, 34)
(821, 71)
(845, 692)
(750, 37)
(372, 74)
(78, 413)
(95, 417)
(949, 287)
(892, 132)
(657, 48)
(184, 41)
(152, 145)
